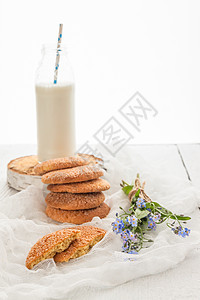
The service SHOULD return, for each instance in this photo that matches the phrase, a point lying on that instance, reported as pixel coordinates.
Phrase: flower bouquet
(143, 216)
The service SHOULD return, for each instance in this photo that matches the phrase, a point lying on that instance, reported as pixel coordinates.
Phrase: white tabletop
(181, 282)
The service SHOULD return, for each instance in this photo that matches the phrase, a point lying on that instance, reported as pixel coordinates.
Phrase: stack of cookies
(76, 189)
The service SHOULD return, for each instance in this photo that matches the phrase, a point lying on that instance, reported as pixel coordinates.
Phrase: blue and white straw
(58, 53)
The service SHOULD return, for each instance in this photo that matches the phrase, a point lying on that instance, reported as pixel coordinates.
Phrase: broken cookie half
(88, 238)
(51, 244)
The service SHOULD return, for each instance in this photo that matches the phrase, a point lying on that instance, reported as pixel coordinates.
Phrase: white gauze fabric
(23, 222)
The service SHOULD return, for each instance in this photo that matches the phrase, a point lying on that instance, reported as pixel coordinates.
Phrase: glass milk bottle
(54, 86)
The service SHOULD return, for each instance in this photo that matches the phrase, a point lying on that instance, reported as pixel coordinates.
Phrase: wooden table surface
(181, 282)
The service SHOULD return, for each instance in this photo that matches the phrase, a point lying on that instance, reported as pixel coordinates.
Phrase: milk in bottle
(55, 107)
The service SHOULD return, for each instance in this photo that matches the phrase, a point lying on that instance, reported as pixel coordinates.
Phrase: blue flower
(156, 218)
(132, 236)
(125, 246)
(124, 236)
(151, 223)
(132, 252)
(118, 226)
(132, 220)
(141, 203)
(187, 231)
(184, 232)
(127, 235)
(181, 231)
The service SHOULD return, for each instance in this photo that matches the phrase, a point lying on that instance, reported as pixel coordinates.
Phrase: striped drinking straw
(58, 53)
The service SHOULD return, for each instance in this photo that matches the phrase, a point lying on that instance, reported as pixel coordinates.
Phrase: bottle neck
(54, 67)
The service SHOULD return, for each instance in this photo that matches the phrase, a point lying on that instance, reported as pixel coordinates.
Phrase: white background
(116, 48)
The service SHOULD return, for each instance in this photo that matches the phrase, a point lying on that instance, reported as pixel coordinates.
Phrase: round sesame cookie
(65, 163)
(77, 174)
(59, 163)
(77, 216)
(51, 244)
(90, 236)
(69, 201)
(91, 186)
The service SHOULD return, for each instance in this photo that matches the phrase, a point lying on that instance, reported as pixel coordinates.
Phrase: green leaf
(137, 193)
(163, 209)
(137, 212)
(171, 215)
(148, 205)
(156, 204)
(180, 218)
(144, 225)
(143, 214)
(127, 189)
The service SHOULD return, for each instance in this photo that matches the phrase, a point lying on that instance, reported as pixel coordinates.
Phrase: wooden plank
(161, 155)
(191, 157)
(155, 155)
